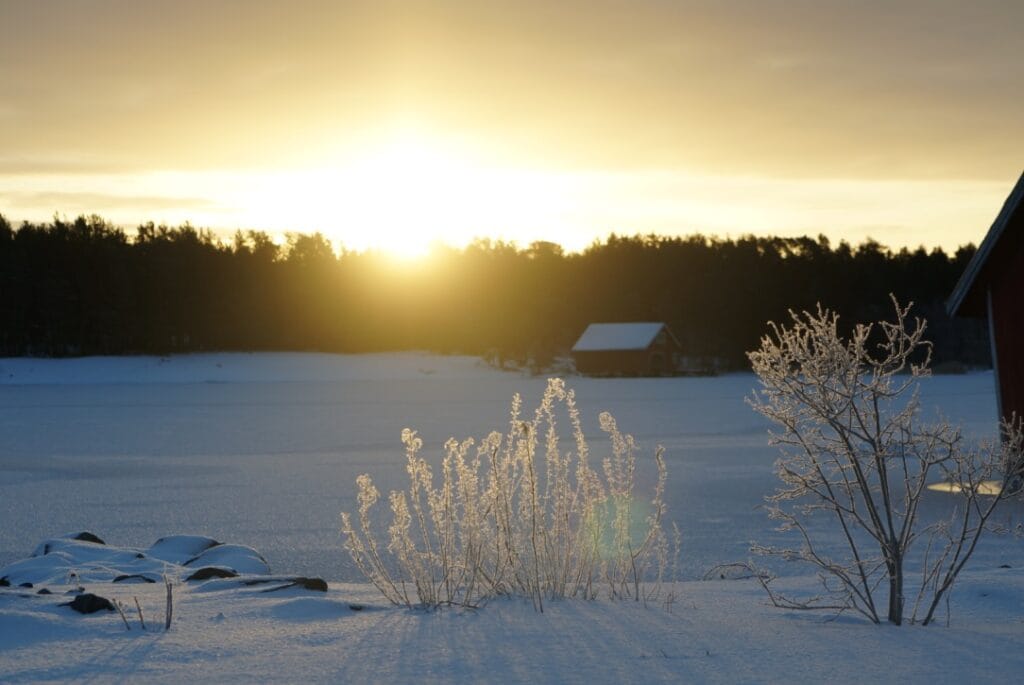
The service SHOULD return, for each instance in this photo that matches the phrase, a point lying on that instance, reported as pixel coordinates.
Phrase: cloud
(31, 165)
(873, 89)
(48, 202)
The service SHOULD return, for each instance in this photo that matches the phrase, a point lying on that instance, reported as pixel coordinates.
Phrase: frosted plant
(628, 565)
(854, 447)
(505, 521)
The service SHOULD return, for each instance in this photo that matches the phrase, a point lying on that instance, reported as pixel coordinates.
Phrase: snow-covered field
(263, 450)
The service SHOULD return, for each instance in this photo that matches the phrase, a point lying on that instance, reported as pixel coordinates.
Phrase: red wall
(613, 363)
(659, 359)
(1006, 289)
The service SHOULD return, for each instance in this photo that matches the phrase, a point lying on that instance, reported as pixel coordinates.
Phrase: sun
(410, 193)
(401, 194)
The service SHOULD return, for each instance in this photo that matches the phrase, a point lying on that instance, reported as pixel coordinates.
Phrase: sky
(394, 125)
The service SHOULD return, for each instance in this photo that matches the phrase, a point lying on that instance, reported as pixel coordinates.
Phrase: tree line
(86, 287)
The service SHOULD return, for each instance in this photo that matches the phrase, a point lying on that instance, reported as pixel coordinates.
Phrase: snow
(232, 368)
(261, 451)
(719, 632)
(601, 337)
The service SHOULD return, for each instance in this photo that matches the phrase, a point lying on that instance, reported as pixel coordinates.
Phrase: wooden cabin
(627, 349)
(992, 287)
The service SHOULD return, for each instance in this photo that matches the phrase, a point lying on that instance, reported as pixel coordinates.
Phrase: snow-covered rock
(68, 560)
(178, 549)
(239, 558)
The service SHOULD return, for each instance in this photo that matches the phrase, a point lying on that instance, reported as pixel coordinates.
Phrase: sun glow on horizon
(404, 191)
(404, 194)
(393, 128)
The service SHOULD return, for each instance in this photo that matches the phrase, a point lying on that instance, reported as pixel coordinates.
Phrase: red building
(992, 287)
(627, 349)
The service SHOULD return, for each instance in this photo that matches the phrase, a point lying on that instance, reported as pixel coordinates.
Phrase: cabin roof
(965, 300)
(602, 337)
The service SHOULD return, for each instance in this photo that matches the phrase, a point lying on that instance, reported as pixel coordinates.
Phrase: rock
(208, 572)
(4, 582)
(133, 577)
(25, 585)
(44, 591)
(89, 604)
(315, 584)
(86, 536)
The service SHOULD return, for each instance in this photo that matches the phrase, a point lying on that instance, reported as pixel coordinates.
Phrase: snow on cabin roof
(617, 336)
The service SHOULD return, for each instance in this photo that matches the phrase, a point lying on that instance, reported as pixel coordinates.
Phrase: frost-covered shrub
(502, 519)
(854, 448)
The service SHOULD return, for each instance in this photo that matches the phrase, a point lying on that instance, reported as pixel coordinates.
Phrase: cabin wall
(1006, 290)
(661, 358)
(613, 362)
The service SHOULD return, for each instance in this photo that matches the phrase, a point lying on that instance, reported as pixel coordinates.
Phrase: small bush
(854, 448)
(502, 520)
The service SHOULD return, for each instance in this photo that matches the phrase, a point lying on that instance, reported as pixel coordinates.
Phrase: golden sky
(394, 124)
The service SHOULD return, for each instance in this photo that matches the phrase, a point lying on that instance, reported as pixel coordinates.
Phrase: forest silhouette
(87, 287)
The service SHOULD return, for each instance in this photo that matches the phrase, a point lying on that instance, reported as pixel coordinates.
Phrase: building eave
(955, 305)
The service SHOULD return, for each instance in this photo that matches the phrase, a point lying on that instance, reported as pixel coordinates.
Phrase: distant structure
(627, 349)
(992, 286)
